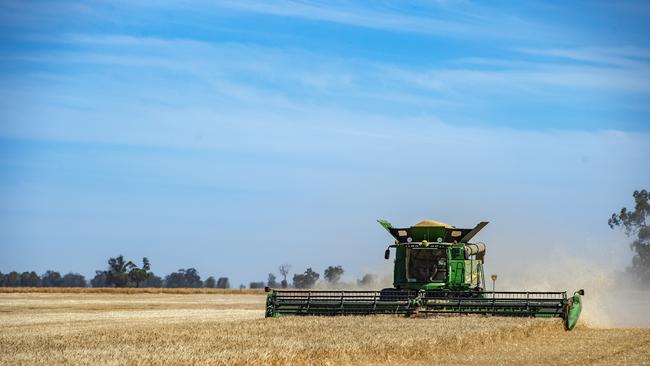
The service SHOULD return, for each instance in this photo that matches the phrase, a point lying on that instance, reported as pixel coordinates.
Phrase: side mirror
(387, 254)
(581, 292)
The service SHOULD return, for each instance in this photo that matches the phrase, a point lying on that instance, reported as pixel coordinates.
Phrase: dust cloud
(611, 299)
(373, 279)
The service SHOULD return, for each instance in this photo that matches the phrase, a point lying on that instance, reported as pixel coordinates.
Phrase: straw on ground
(229, 329)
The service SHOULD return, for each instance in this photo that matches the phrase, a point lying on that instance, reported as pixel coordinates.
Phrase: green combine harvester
(437, 271)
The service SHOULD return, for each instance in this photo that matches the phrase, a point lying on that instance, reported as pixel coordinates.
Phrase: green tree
(51, 279)
(305, 280)
(24, 279)
(210, 282)
(635, 225)
(153, 281)
(34, 279)
(30, 279)
(184, 278)
(193, 279)
(118, 271)
(139, 275)
(223, 282)
(333, 274)
(12, 279)
(271, 282)
(99, 280)
(74, 280)
(284, 271)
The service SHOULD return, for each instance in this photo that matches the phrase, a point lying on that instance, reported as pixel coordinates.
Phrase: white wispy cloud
(463, 19)
(629, 57)
(625, 69)
(157, 81)
(455, 19)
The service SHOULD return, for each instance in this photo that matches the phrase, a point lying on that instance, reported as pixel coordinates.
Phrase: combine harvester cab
(436, 271)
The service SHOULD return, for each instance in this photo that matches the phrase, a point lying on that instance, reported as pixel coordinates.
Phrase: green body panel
(575, 308)
(399, 270)
(429, 234)
(432, 286)
(456, 273)
(387, 225)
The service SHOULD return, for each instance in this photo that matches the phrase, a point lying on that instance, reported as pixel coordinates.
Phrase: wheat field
(229, 329)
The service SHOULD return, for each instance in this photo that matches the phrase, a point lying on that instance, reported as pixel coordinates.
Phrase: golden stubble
(223, 329)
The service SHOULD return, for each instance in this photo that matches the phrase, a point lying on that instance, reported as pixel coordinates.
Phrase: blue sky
(235, 136)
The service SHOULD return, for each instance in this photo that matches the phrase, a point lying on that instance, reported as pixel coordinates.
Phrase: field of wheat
(229, 329)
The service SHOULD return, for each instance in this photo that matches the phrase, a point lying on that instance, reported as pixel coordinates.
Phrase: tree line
(48, 279)
(308, 279)
(121, 272)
